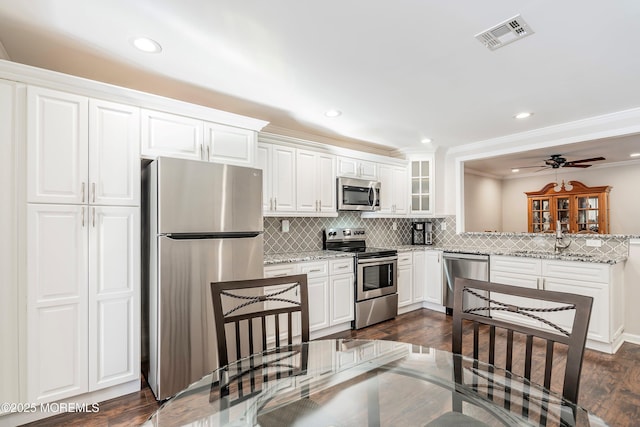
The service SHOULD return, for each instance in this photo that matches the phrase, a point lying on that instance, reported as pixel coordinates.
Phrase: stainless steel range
(376, 275)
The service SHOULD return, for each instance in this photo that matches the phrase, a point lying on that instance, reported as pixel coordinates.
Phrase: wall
(483, 203)
(624, 205)
(305, 234)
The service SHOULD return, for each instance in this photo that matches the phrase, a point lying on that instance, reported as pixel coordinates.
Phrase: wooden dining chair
(267, 318)
(513, 327)
(252, 316)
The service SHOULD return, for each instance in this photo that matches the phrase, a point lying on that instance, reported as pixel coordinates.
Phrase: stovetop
(352, 240)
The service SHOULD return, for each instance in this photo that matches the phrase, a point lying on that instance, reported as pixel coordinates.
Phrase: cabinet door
(419, 276)
(171, 135)
(230, 145)
(307, 176)
(114, 295)
(433, 289)
(318, 303)
(57, 146)
(350, 167)
(422, 185)
(405, 284)
(114, 154)
(326, 183)
(599, 325)
(385, 174)
(57, 334)
(400, 190)
(514, 279)
(283, 172)
(341, 292)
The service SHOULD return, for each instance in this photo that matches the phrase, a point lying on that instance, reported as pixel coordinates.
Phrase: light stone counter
(304, 256)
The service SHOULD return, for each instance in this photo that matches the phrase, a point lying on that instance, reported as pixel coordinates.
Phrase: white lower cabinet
(331, 292)
(603, 282)
(433, 280)
(405, 279)
(83, 302)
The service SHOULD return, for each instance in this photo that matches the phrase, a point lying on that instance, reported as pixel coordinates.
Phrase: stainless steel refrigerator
(203, 224)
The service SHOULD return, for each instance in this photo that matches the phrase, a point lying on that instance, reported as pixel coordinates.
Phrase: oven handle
(377, 261)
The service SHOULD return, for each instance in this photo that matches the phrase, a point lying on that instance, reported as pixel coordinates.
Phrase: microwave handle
(372, 190)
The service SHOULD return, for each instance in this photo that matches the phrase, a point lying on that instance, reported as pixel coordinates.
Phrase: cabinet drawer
(314, 269)
(341, 266)
(280, 270)
(519, 265)
(405, 258)
(576, 270)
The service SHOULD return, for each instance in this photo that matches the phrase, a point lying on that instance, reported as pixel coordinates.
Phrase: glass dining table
(365, 383)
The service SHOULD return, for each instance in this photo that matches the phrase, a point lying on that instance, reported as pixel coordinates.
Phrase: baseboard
(435, 307)
(631, 338)
(84, 403)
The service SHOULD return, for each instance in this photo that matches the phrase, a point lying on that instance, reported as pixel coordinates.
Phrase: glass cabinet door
(541, 218)
(563, 213)
(587, 208)
(421, 191)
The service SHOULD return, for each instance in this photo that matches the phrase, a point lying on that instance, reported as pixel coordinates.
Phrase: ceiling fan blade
(594, 159)
(570, 165)
(528, 167)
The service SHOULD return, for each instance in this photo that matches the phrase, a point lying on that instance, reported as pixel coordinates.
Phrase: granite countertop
(565, 256)
(303, 256)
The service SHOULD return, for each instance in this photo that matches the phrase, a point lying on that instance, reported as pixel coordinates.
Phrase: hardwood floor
(610, 385)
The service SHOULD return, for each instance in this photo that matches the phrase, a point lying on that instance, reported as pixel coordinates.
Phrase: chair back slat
(523, 335)
(548, 364)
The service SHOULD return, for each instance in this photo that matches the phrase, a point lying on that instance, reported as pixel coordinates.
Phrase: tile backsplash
(305, 234)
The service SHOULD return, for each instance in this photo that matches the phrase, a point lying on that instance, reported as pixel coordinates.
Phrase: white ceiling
(399, 70)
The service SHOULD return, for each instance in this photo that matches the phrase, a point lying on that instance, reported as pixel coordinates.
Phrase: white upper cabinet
(422, 200)
(278, 164)
(171, 135)
(355, 168)
(57, 146)
(114, 165)
(226, 144)
(393, 189)
(81, 150)
(315, 186)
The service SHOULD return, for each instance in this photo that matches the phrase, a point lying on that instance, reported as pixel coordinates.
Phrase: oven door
(376, 277)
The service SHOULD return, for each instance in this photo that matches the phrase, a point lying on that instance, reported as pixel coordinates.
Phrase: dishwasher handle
(456, 255)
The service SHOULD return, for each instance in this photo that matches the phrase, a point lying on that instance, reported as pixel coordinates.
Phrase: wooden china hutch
(580, 209)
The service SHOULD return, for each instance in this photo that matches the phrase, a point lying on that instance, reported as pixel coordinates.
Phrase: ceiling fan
(557, 161)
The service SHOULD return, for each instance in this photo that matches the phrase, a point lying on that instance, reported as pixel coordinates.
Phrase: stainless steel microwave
(358, 195)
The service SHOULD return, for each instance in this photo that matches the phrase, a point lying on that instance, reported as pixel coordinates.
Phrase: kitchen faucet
(559, 245)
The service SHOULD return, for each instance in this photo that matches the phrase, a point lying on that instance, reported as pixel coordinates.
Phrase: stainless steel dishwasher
(466, 266)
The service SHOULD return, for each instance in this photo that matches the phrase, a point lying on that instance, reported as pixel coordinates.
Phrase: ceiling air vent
(504, 33)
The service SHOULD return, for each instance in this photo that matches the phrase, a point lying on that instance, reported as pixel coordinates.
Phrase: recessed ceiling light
(333, 113)
(146, 44)
(426, 140)
(514, 170)
(523, 115)
(634, 155)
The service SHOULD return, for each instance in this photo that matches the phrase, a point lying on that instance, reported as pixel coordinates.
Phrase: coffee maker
(421, 233)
